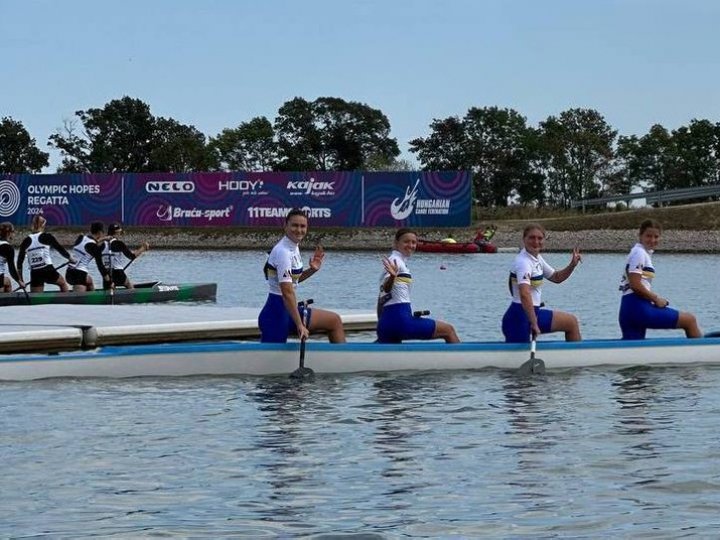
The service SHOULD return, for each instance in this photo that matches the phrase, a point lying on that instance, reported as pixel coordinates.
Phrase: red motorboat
(438, 246)
(481, 244)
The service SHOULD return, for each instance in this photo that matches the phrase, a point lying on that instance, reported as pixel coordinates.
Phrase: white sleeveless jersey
(3, 260)
(284, 265)
(38, 254)
(113, 260)
(529, 270)
(638, 262)
(82, 257)
(400, 292)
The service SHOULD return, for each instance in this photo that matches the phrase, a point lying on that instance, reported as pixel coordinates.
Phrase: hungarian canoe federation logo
(400, 209)
(9, 198)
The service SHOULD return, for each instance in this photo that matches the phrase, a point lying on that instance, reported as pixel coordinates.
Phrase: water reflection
(281, 441)
(637, 423)
(399, 413)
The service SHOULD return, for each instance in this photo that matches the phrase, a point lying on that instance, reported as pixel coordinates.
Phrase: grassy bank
(689, 217)
(690, 228)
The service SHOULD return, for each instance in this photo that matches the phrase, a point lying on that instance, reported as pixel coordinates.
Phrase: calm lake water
(583, 453)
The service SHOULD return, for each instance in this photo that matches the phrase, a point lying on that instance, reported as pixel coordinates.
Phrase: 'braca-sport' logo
(402, 209)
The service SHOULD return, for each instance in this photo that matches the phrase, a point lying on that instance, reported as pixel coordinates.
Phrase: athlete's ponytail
(38, 223)
(6, 228)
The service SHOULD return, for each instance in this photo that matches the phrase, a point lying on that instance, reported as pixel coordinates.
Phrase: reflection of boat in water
(253, 358)
(152, 291)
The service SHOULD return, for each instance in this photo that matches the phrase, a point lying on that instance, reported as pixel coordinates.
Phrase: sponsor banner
(241, 198)
(219, 199)
(417, 199)
(63, 199)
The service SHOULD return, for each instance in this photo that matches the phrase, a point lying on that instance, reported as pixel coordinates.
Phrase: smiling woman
(281, 315)
(526, 319)
(396, 321)
(641, 308)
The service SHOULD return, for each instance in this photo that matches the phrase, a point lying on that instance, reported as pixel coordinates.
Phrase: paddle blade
(533, 366)
(303, 374)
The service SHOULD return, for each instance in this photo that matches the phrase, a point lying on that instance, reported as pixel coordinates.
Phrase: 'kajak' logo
(400, 209)
(312, 187)
(9, 198)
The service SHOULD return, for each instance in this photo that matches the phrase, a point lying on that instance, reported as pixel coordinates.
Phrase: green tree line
(574, 155)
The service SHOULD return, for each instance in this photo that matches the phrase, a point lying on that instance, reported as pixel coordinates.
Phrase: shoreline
(380, 239)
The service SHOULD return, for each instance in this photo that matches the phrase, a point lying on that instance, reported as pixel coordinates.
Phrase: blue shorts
(397, 323)
(275, 322)
(638, 314)
(516, 325)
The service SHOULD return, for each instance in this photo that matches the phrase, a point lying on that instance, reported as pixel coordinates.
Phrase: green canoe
(153, 291)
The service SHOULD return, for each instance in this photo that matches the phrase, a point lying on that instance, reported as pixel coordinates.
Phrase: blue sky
(216, 63)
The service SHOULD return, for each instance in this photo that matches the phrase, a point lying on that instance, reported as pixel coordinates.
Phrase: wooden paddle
(302, 372)
(533, 366)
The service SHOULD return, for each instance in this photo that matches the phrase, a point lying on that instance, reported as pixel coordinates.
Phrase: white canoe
(253, 358)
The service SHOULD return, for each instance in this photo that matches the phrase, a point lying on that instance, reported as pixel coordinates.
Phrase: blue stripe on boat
(223, 346)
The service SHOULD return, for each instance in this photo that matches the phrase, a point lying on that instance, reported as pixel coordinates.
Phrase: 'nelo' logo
(9, 198)
(178, 186)
(402, 209)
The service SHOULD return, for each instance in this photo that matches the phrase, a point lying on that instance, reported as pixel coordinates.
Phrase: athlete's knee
(688, 322)
(446, 331)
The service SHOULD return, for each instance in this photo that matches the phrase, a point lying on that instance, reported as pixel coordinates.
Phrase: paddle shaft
(302, 372)
(24, 290)
(302, 353)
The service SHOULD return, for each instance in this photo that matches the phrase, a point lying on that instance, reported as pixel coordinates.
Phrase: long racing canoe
(152, 291)
(253, 358)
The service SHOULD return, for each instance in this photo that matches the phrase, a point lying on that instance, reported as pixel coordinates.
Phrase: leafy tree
(179, 148)
(18, 151)
(331, 134)
(446, 148)
(125, 136)
(299, 143)
(576, 154)
(495, 144)
(118, 137)
(249, 147)
(697, 154)
(646, 161)
(499, 150)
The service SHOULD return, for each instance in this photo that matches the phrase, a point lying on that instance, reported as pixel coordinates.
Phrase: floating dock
(56, 328)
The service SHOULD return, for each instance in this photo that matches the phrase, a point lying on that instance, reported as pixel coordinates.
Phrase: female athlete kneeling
(281, 314)
(640, 307)
(395, 316)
